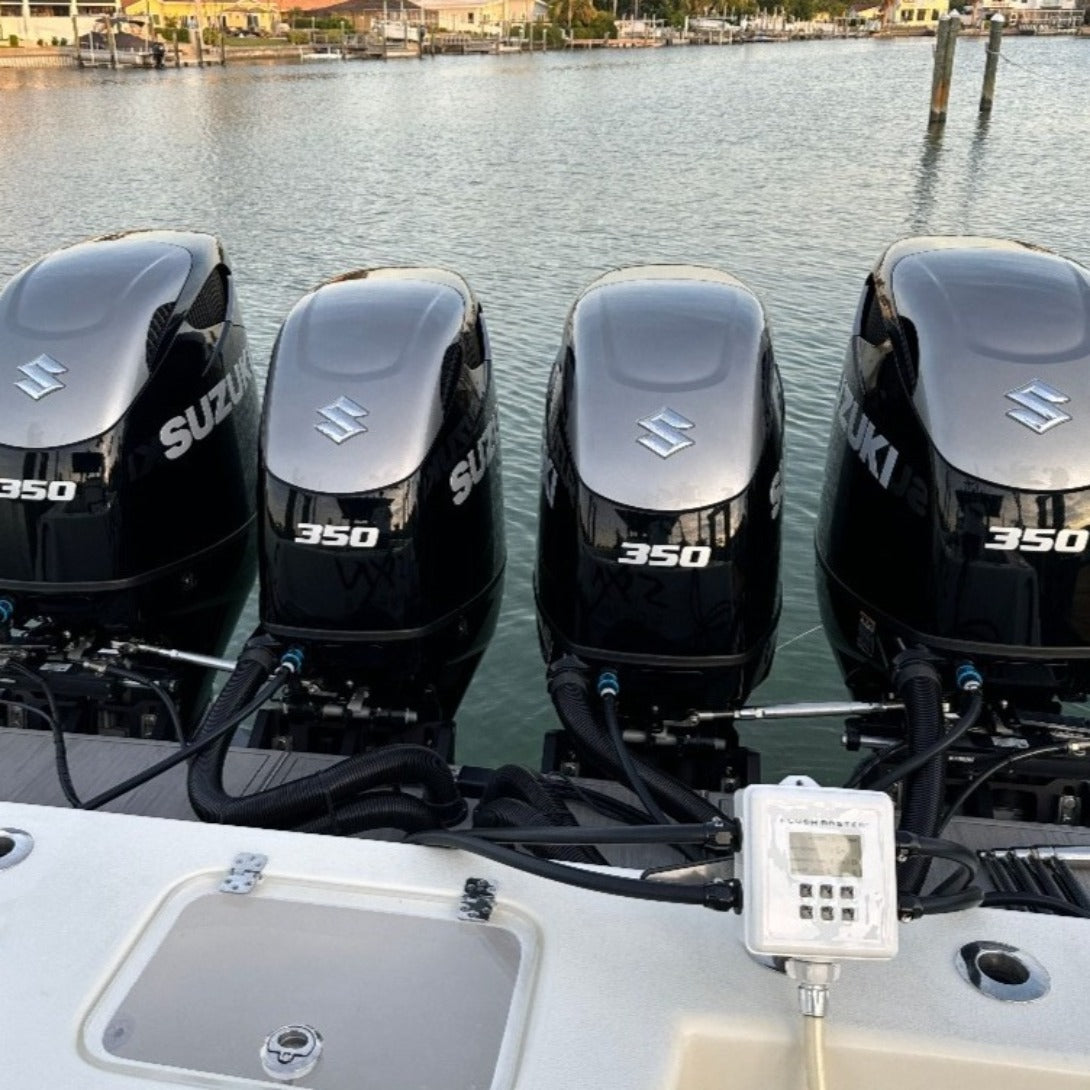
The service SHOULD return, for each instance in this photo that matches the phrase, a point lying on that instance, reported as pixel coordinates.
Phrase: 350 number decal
(1036, 540)
(58, 491)
(347, 537)
(665, 556)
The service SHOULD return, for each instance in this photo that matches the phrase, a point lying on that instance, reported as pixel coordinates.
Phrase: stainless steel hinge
(244, 873)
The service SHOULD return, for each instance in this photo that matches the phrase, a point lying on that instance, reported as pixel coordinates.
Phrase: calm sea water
(790, 166)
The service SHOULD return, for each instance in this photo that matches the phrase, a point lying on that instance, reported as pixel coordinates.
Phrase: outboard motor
(956, 509)
(954, 528)
(381, 539)
(659, 537)
(128, 425)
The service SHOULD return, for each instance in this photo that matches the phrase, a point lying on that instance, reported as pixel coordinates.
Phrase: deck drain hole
(1003, 972)
(15, 846)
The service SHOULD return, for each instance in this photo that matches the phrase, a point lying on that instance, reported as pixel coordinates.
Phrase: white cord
(814, 1045)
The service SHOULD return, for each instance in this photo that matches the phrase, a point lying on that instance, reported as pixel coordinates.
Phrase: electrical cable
(991, 770)
(60, 748)
(185, 752)
(28, 708)
(722, 896)
(149, 683)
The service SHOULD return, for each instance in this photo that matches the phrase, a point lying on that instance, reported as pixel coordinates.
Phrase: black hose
(918, 685)
(631, 773)
(184, 753)
(319, 795)
(991, 770)
(164, 697)
(379, 810)
(599, 834)
(1035, 901)
(717, 895)
(503, 813)
(569, 689)
(966, 721)
(60, 748)
(912, 906)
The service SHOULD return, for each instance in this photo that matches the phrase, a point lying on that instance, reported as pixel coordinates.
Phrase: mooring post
(75, 38)
(991, 65)
(111, 40)
(223, 45)
(944, 67)
(177, 51)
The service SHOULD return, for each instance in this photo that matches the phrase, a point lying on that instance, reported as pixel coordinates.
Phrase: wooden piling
(75, 38)
(177, 51)
(944, 67)
(111, 40)
(991, 65)
(223, 44)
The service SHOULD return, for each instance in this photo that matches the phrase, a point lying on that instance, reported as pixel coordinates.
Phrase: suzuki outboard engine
(381, 539)
(128, 425)
(659, 536)
(956, 510)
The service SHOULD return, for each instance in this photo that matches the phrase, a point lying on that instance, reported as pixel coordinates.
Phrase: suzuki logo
(39, 379)
(1037, 401)
(666, 428)
(342, 420)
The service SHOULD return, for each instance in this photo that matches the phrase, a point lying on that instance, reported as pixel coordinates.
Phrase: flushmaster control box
(818, 871)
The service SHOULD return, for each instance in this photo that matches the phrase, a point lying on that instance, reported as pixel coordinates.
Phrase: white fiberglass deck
(591, 991)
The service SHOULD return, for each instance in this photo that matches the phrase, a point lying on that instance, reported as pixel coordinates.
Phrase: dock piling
(991, 65)
(944, 67)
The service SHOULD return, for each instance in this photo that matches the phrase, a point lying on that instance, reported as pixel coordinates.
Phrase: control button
(826, 912)
(847, 893)
(826, 892)
(847, 914)
(806, 912)
(806, 890)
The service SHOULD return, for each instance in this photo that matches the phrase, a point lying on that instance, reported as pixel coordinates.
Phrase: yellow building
(238, 16)
(920, 14)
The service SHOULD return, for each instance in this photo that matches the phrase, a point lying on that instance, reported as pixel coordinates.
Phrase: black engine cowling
(381, 538)
(956, 508)
(127, 437)
(659, 536)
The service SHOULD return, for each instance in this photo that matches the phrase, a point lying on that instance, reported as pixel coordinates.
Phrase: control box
(818, 871)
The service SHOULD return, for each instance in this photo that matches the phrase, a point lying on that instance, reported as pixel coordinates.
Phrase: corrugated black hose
(918, 684)
(569, 687)
(322, 796)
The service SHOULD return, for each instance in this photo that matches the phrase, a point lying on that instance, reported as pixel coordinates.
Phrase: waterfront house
(236, 16)
(31, 23)
(456, 16)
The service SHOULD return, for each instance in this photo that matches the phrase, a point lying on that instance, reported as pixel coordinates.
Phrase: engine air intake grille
(210, 306)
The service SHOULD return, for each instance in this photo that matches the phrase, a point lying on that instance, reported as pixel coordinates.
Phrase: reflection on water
(792, 167)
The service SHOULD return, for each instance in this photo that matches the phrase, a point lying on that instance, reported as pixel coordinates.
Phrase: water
(791, 166)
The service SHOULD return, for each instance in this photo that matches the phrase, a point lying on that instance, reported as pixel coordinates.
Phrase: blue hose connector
(608, 685)
(968, 678)
(293, 659)
(7, 610)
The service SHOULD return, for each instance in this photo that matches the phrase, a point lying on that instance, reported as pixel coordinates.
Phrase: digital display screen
(832, 854)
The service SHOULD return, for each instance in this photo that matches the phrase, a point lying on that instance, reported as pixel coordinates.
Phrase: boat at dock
(336, 900)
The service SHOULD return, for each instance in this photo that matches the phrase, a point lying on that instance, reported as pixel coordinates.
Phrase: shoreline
(44, 57)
